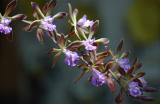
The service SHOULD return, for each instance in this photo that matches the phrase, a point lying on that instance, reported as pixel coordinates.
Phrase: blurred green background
(26, 76)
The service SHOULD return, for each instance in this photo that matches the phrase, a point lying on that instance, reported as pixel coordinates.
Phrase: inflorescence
(80, 48)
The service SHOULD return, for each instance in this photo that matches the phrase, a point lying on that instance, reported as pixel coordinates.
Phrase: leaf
(10, 7)
(19, 17)
(40, 35)
(120, 46)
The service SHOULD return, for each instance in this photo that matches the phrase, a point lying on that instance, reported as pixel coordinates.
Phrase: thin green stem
(25, 21)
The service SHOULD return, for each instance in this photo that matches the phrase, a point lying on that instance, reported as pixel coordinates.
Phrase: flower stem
(25, 21)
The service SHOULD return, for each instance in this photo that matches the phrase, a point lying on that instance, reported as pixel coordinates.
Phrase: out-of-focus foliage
(144, 21)
(26, 4)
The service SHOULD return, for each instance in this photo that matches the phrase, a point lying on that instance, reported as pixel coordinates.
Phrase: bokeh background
(26, 76)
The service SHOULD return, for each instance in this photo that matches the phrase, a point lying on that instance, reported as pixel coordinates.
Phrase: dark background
(26, 76)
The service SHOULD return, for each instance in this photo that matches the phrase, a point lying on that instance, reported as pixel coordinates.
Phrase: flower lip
(71, 58)
(5, 29)
(98, 78)
(89, 44)
(124, 63)
(134, 89)
(4, 26)
(47, 24)
(83, 22)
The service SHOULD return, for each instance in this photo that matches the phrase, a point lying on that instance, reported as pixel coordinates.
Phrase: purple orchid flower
(4, 26)
(124, 64)
(83, 22)
(71, 58)
(98, 78)
(47, 24)
(89, 44)
(134, 89)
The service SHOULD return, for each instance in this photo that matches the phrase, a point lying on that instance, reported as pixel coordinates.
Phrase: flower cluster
(4, 26)
(47, 24)
(80, 49)
(83, 22)
(124, 64)
(71, 58)
(89, 44)
(98, 78)
(134, 89)
(5, 20)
